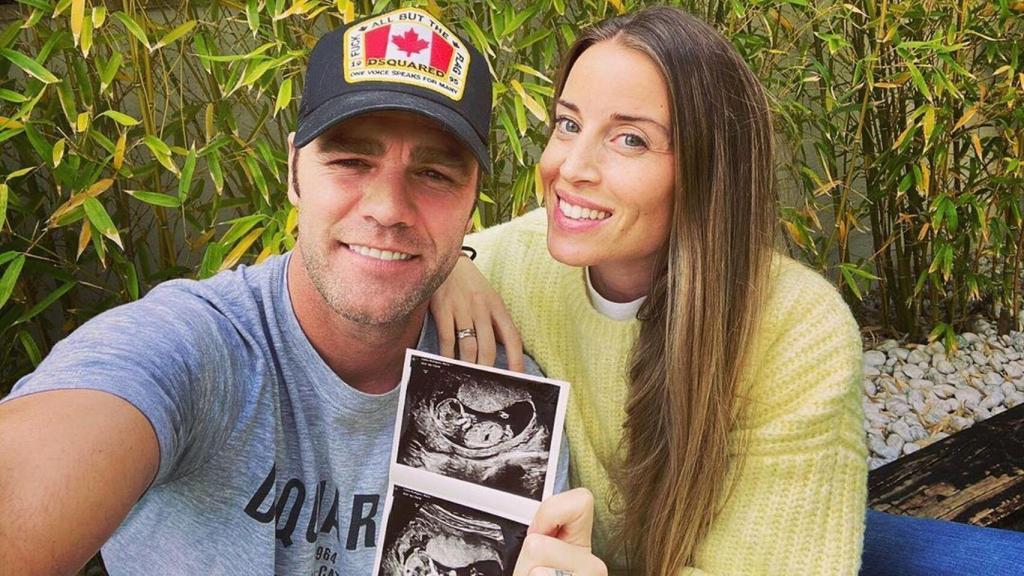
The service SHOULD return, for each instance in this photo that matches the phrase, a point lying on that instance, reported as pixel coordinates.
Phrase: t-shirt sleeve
(167, 355)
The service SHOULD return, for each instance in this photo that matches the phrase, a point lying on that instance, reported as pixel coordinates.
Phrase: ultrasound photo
(483, 427)
(425, 535)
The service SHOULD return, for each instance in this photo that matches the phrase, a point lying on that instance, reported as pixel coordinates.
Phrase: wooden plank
(974, 476)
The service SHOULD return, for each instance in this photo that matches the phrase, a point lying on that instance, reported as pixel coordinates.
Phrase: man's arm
(72, 464)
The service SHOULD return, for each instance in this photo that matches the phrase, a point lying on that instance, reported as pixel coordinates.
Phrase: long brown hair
(702, 308)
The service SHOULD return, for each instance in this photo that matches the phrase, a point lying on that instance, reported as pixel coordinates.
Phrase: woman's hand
(558, 540)
(466, 302)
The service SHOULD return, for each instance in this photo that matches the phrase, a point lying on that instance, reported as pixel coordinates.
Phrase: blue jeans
(907, 546)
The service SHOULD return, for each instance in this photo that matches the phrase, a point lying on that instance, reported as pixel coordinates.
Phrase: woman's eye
(634, 141)
(566, 125)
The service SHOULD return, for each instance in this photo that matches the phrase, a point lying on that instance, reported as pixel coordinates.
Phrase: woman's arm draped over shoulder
(468, 300)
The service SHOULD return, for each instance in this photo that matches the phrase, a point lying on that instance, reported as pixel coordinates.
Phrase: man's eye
(349, 163)
(435, 175)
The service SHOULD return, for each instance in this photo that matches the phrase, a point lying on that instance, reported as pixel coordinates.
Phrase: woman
(715, 410)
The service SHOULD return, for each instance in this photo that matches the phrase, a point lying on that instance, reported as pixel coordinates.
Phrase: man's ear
(293, 194)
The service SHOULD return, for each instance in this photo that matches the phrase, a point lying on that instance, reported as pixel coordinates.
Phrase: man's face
(384, 201)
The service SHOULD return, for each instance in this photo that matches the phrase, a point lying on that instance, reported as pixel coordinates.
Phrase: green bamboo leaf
(284, 96)
(258, 178)
(10, 278)
(186, 174)
(18, 174)
(99, 218)
(37, 4)
(173, 35)
(29, 65)
(99, 16)
(58, 152)
(918, 79)
(510, 134)
(12, 96)
(133, 27)
(239, 226)
(154, 198)
(120, 117)
(531, 71)
(45, 302)
(252, 16)
(216, 172)
(31, 350)
(156, 145)
(110, 70)
(237, 57)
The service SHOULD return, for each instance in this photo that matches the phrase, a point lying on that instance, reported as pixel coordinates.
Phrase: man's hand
(72, 464)
(558, 540)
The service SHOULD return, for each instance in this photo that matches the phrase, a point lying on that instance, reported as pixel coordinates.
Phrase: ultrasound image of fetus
(429, 538)
(485, 432)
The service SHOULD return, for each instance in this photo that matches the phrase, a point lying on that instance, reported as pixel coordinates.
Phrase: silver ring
(465, 333)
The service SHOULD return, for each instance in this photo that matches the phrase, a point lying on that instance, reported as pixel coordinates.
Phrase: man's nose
(387, 200)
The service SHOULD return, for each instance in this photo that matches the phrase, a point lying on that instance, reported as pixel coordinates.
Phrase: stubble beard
(344, 298)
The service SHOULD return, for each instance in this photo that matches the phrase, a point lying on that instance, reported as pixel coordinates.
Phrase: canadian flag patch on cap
(410, 47)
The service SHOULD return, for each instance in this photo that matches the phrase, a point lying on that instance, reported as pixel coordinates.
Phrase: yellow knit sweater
(797, 507)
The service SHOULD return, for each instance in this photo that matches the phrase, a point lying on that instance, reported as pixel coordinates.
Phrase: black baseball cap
(401, 60)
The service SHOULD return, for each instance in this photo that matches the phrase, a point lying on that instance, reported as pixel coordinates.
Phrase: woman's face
(608, 169)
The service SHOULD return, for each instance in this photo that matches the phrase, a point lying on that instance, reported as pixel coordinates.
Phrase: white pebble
(910, 448)
(873, 358)
(913, 372)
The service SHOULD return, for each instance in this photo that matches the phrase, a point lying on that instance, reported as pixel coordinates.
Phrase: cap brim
(345, 106)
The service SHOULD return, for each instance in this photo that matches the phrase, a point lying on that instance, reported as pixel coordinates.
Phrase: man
(243, 424)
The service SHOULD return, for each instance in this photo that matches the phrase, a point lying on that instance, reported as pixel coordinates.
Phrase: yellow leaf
(292, 220)
(976, 142)
(98, 187)
(538, 185)
(77, 18)
(58, 152)
(264, 254)
(926, 177)
(434, 9)
(208, 124)
(532, 105)
(924, 231)
(794, 233)
(236, 253)
(119, 150)
(928, 123)
(347, 9)
(618, 6)
(77, 200)
(83, 238)
(8, 123)
(300, 7)
(82, 122)
(968, 114)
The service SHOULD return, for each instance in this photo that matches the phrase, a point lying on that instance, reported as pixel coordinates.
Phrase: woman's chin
(570, 254)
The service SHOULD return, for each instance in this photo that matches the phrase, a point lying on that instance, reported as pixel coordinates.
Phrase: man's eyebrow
(619, 117)
(451, 156)
(365, 146)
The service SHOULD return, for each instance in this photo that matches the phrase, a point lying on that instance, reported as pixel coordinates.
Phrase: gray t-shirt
(269, 462)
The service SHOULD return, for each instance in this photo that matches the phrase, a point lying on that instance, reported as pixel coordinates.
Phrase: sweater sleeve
(797, 498)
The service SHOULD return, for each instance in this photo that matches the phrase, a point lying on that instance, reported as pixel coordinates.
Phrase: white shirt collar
(613, 310)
